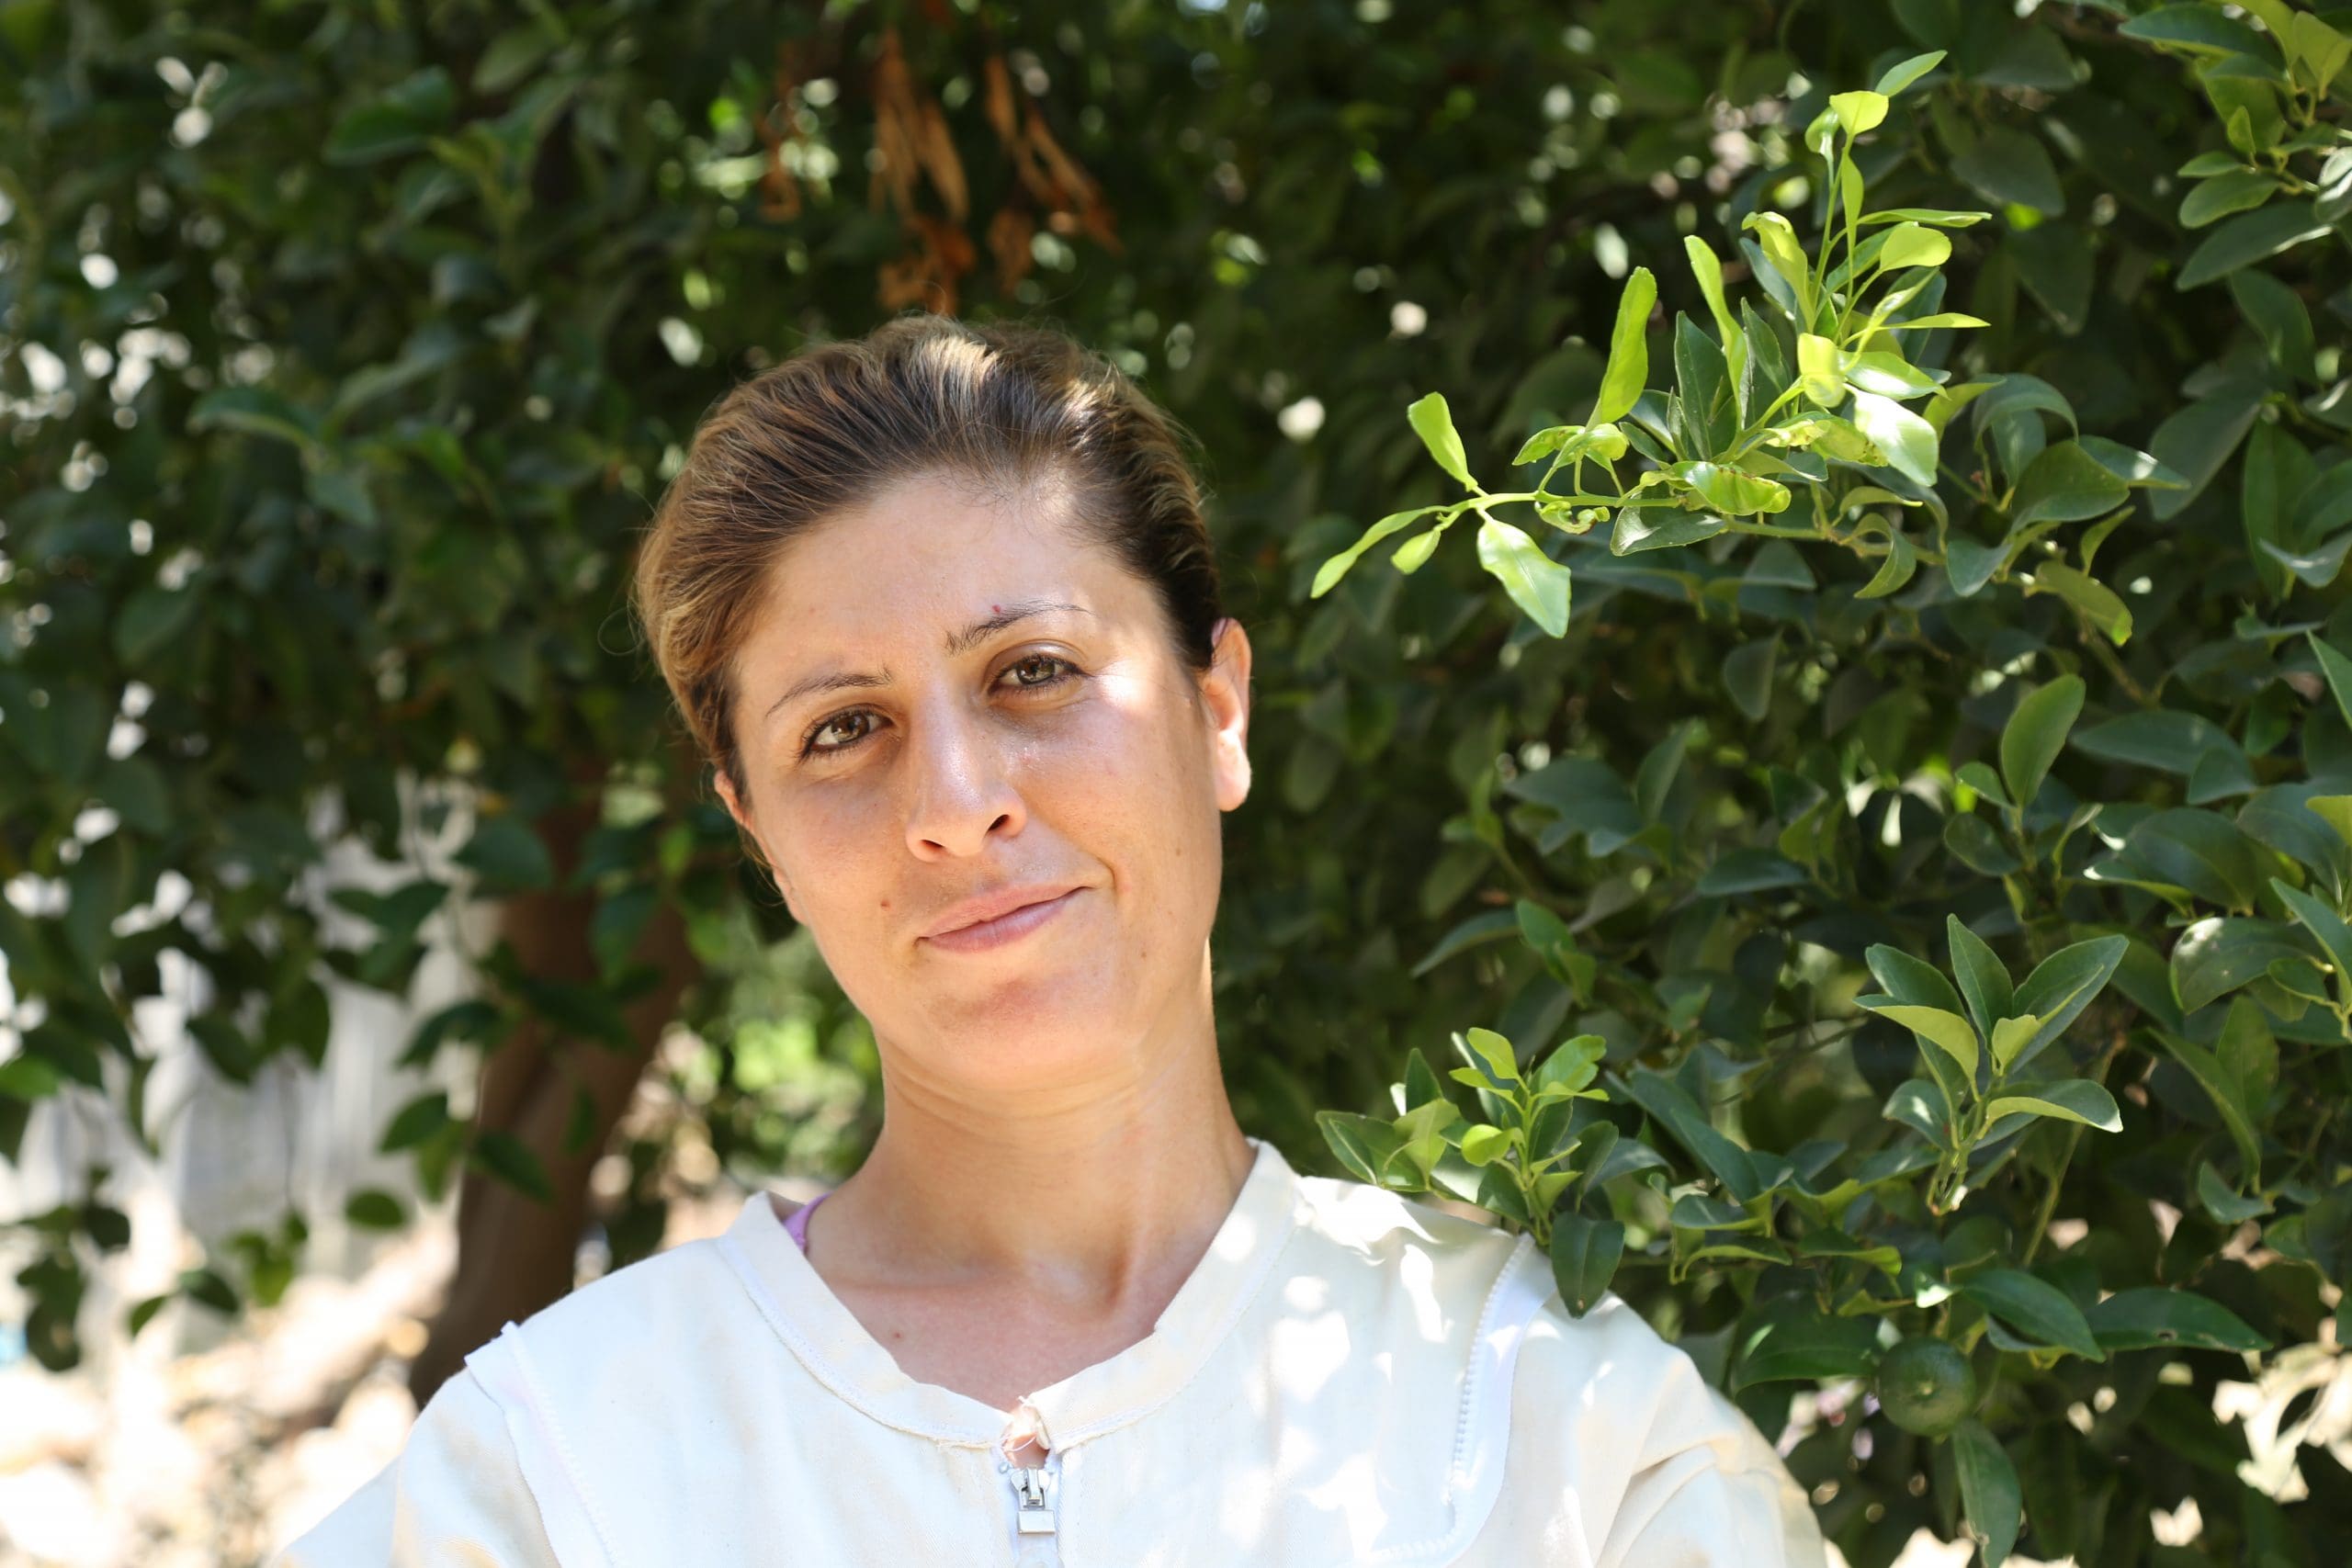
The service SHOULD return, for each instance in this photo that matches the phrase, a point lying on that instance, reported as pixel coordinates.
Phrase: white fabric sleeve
(454, 1497)
(1724, 1496)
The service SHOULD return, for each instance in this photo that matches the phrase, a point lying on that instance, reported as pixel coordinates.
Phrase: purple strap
(797, 1225)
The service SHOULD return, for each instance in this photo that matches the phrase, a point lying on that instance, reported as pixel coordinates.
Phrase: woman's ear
(736, 809)
(1224, 693)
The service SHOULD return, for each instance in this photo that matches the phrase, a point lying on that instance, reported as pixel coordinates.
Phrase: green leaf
(1735, 1166)
(2324, 922)
(1709, 272)
(1908, 441)
(2008, 165)
(1708, 409)
(1732, 492)
(1804, 1345)
(1748, 676)
(1988, 1491)
(1485, 927)
(2071, 1100)
(2279, 318)
(2096, 602)
(508, 856)
(2217, 954)
(2065, 484)
(2201, 851)
(1777, 238)
(1494, 1052)
(2148, 1317)
(1938, 217)
(1585, 1255)
(2034, 1308)
(399, 120)
(2221, 1087)
(2248, 237)
(414, 1122)
(2036, 732)
(151, 620)
(1362, 1144)
(1948, 1031)
(510, 1160)
(1909, 244)
(1536, 583)
(2338, 671)
(1415, 552)
(1904, 74)
(1820, 370)
(1484, 1145)
(255, 411)
(2061, 986)
(1919, 1104)
(373, 1209)
(1983, 979)
(1628, 371)
(1859, 112)
(1332, 571)
(2233, 190)
(2198, 28)
(1902, 560)
(1433, 422)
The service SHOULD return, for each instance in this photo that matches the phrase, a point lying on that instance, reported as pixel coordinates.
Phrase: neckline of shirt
(835, 1347)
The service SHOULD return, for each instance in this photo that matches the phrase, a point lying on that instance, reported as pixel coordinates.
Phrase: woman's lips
(1004, 928)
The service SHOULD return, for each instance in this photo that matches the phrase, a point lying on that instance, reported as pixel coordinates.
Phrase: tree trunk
(514, 1254)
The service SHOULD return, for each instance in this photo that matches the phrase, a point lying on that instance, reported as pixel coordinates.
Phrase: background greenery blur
(345, 345)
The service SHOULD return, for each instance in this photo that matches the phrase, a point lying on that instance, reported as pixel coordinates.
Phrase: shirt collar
(840, 1353)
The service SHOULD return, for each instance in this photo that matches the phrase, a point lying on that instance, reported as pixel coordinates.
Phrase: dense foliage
(1890, 917)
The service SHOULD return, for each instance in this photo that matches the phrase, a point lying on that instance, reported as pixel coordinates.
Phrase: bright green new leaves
(1859, 112)
(1535, 583)
(2035, 734)
(1778, 240)
(1730, 491)
(1708, 271)
(2009, 1037)
(1819, 371)
(1948, 1031)
(1571, 442)
(2070, 1099)
(1629, 355)
(1910, 244)
(1908, 441)
(1433, 422)
(1332, 571)
(1493, 1053)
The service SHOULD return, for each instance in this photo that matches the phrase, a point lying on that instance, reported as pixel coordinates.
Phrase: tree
(346, 349)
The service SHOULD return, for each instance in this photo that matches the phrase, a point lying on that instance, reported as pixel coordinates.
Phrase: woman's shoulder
(667, 1297)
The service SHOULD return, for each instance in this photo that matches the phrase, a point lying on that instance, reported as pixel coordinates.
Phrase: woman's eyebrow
(957, 642)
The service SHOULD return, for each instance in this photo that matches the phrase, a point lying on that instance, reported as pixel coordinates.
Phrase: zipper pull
(1034, 1525)
(1033, 1534)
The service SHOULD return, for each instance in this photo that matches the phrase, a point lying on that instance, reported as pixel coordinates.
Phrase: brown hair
(1005, 404)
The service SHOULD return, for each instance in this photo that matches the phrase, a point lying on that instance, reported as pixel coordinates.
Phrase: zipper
(1035, 1542)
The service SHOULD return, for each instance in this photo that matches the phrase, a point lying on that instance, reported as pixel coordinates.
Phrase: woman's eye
(844, 732)
(1054, 668)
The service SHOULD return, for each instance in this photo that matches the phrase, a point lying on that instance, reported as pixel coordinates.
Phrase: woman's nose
(960, 789)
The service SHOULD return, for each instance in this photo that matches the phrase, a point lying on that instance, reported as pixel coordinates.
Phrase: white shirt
(1347, 1377)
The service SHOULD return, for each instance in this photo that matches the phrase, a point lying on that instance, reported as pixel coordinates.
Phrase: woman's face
(946, 699)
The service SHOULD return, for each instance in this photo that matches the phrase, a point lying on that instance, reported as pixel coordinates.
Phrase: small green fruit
(1926, 1386)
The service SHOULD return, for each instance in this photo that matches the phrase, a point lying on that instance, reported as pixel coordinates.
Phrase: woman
(940, 606)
